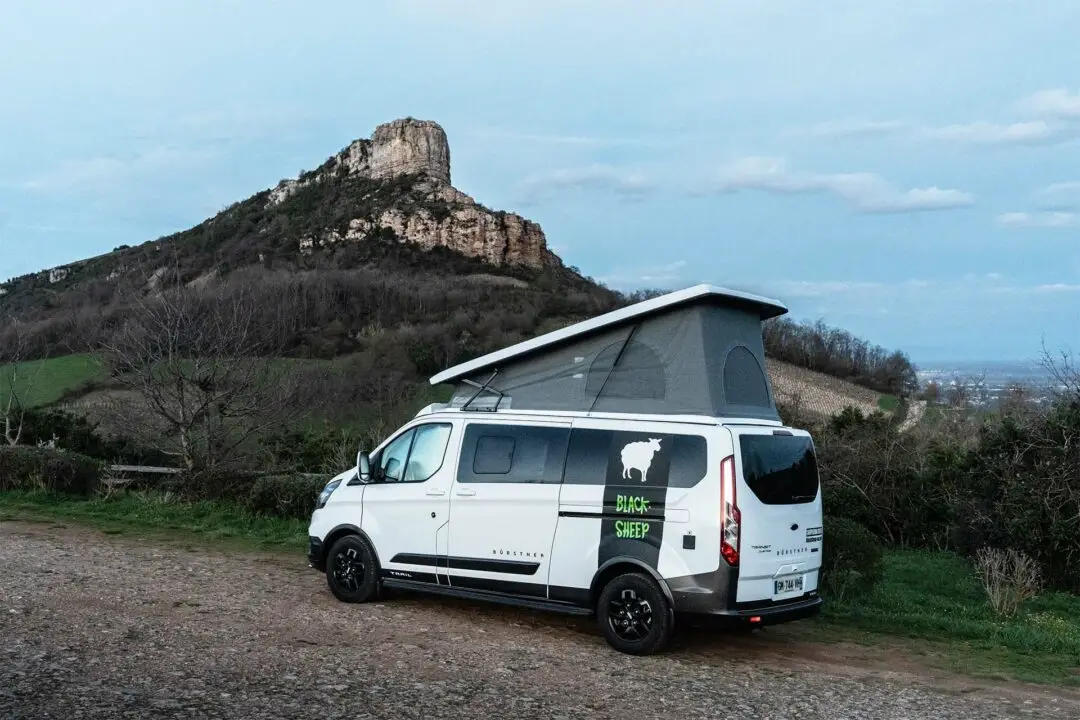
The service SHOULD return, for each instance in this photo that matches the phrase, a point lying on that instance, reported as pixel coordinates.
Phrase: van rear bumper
(801, 609)
(713, 595)
(762, 614)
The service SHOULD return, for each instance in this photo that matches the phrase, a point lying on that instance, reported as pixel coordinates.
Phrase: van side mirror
(363, 466)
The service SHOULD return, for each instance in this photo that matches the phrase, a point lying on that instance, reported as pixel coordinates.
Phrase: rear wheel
(634, 615)
(351, 570)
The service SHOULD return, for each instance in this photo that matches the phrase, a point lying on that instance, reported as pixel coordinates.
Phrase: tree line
(838, 353)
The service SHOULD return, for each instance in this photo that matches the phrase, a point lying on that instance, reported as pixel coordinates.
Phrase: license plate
(789, 585)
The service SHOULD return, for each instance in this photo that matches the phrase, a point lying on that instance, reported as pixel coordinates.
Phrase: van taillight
(730, 517)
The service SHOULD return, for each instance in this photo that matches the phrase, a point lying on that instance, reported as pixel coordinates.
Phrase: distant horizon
(958, 361)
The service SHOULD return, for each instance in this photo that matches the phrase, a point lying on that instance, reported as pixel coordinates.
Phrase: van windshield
(780, 469)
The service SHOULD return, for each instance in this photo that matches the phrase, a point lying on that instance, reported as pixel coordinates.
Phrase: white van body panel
(510, 525)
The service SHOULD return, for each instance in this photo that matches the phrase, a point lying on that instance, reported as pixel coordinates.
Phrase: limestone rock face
(409, 146)
(446, 216)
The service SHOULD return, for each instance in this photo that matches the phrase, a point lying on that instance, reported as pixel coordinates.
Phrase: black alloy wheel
(352, 573)
(629, 616)
(634, 615)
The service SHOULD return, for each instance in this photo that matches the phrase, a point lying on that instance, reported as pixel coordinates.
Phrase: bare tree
(1064, 373)
(205, 366)
(17, 381)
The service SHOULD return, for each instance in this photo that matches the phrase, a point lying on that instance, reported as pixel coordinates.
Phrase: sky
(906, 170)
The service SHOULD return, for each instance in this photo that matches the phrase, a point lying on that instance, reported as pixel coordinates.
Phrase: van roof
(765, 308)
(438, 410)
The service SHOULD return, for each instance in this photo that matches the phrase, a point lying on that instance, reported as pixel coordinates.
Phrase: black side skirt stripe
(510, 567)
(504, 594)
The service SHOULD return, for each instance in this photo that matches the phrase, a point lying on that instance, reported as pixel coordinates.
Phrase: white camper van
(631, 467)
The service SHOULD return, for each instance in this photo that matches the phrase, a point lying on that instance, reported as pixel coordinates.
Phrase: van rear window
(780, 469)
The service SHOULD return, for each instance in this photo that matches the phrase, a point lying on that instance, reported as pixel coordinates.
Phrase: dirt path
(100, 626)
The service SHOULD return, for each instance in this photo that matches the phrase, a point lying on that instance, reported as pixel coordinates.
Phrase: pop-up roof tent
(697, 351)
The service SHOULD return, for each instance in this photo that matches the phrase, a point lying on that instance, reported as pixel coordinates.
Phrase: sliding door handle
(435, 492)
(465, 492)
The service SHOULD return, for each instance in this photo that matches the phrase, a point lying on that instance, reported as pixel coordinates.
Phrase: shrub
(1024, 491)
(1009, 577)
(48, 470)
(852, 562)
(311, 451)
(77, 434)
(217, 485)
(286, 496)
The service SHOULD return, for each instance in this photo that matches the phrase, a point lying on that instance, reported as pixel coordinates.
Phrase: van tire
(352, 573)
(627, 603)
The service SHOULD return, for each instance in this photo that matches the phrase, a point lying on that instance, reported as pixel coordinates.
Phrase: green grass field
(39, 383)
(43, 382)
(154, 514)
(936, 600)
(888, 403)
(929, 605)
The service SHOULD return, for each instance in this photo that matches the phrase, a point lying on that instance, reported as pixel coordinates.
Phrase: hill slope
(375, 260)
(382, 206)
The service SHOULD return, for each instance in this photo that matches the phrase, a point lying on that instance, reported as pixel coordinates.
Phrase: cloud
(631, 185)
(652, 276)
(867, 192)
(1049, 119)
(1038, 220)
(852, 293)
(107, 173)
(982, 132)
(849, 128)
(1059, 196)
(1055, 103)
(1056, 288)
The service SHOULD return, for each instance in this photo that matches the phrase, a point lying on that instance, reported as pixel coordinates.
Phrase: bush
(1009, 578)
(851, 560)
(285, 496)
(216, 485)
(75, 433)
(1025, 491)
(48, 470)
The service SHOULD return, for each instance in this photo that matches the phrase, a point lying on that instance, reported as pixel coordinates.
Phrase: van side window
(595, 456)
(512, 454)
(394, 456)
(416, 455)
(428, 452)
(494, 455)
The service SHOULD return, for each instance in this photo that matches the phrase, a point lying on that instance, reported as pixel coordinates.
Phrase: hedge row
(68, 473)
(43, 469)
(1004, 481)
(275, 495)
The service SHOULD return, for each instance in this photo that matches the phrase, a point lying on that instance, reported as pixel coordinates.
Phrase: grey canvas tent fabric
(705, 358)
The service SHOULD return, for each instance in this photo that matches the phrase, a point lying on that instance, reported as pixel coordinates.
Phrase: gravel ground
(106, 626)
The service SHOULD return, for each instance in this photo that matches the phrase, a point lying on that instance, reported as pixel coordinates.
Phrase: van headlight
(327, 491)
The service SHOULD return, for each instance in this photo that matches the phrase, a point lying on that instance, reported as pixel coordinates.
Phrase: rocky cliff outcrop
(409, 146)
(429, 212)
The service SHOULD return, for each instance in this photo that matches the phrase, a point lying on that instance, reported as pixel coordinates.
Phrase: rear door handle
(435, 492)
(465, 491)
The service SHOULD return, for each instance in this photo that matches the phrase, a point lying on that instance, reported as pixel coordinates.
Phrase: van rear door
(778, 497)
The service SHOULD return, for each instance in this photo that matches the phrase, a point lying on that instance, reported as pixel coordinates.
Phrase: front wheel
(634, 615)
(351, 570)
